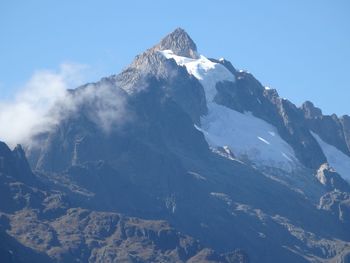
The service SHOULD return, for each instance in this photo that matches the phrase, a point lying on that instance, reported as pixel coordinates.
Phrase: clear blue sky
(299, 47)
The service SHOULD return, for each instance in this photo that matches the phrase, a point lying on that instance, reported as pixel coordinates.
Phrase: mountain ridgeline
(179, 158)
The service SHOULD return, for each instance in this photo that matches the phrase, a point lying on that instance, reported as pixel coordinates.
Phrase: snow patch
(263, 140)
(222, 196)
(336, 158)
(207, 72)
(170, 203)
(272, 133)
(197, 175)
(247, 136)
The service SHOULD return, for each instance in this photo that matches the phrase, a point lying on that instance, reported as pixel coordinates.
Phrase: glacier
(336, 159)
(247, 136)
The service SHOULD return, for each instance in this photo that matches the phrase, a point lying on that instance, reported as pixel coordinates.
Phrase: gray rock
(180, 43)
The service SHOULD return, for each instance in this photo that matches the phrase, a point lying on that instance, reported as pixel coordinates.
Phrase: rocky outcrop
(345, 120)
(310, 111)
(330, 128)
(332, 180)
(180, 43)
(102, 237)
(338, 203)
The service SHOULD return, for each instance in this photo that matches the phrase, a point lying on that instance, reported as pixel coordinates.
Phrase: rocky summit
(179, 158)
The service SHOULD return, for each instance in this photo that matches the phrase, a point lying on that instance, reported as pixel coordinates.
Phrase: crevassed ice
(245, 135)
(336, 158)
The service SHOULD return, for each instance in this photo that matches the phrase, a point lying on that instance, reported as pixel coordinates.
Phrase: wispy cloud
(27, 113)
(104, 105)
(45, 100)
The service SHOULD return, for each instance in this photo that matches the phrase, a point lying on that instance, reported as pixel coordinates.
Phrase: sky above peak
(301, 48)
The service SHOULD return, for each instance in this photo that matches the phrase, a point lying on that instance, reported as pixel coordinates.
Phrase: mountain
(180, 158)
(39, 222)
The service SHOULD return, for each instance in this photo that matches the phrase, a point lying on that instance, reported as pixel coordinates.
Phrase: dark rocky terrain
(129, 176)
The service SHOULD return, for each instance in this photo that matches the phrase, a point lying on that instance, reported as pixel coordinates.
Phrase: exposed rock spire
(180, 43)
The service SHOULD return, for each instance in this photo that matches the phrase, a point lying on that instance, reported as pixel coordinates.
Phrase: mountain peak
(180, 43)
(310, 111)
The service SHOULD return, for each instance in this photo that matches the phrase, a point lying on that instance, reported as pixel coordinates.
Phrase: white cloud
(44, 100)
(27, 113)
(105, 105)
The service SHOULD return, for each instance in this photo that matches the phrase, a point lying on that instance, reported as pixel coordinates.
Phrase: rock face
(41, 223)
(345, 120)
(132, 174)
(329, 178)
(102, 237)
(180, 43)
(331, 129)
